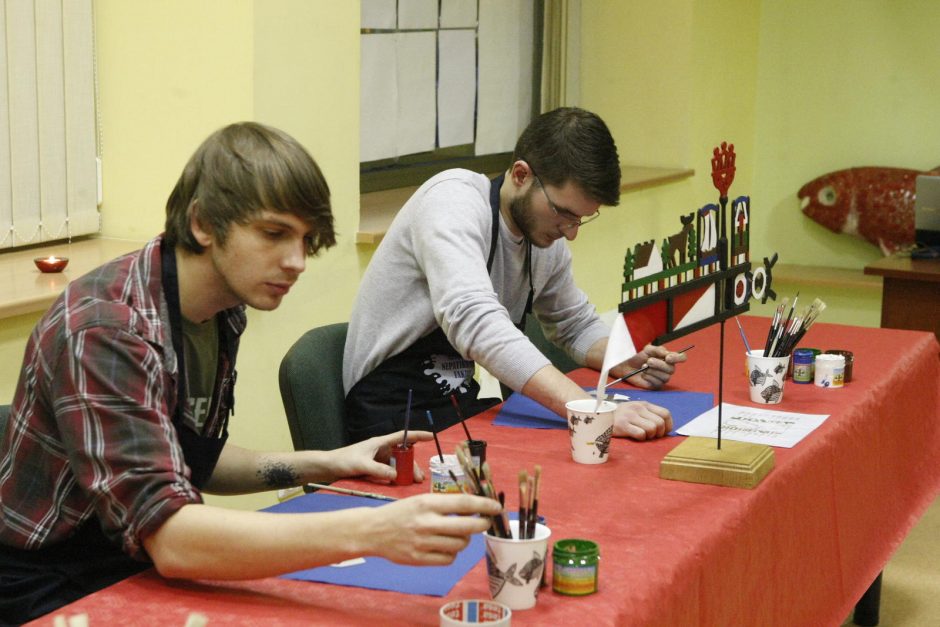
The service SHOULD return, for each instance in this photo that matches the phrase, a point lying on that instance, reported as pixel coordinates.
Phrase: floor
(910, 587)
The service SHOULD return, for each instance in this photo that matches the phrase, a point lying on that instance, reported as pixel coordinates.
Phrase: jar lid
(450, 463)
(574, 547)
(849, 356)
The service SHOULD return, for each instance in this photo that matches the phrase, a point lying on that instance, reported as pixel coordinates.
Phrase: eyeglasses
(572, 220)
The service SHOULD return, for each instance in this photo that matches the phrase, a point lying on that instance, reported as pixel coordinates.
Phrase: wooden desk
(911, 293)
(800, 549)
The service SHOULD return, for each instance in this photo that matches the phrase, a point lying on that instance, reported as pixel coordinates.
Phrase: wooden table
(911, 293)
(799, 549)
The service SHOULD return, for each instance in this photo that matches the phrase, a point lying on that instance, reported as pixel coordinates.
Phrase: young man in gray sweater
(463, 263)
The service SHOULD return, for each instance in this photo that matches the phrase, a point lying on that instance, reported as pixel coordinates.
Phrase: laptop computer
(927, 211)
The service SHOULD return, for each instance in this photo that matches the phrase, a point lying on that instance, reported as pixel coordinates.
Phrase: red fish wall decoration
(874, 203)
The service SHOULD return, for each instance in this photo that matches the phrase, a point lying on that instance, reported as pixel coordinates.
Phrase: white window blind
(48, 171)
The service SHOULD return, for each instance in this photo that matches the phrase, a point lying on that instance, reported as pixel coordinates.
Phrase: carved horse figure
(678, 243)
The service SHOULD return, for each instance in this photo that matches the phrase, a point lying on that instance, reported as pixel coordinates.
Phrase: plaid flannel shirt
(91, 430)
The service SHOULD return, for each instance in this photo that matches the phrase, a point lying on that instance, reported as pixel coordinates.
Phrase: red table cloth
(799, 549)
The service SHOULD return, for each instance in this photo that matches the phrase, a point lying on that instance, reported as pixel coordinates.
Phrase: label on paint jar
(441, 481)
(803, 365)
(574, 567)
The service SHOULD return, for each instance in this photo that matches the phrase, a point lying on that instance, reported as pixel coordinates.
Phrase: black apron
(431, 367)
(36, 582)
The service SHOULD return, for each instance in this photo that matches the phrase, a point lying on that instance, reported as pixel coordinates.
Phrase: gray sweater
(430, 270)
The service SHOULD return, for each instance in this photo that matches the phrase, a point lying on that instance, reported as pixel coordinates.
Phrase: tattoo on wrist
(278, 475)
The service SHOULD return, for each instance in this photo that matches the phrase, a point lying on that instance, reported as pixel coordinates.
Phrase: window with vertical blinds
(48, 153)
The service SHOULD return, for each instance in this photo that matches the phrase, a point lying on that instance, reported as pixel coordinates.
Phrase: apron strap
(495, 185)
(201, 453)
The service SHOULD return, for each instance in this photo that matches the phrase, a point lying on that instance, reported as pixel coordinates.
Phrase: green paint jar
(574, 567)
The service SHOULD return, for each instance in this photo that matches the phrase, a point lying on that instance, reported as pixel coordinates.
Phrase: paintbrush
(453, 399)
(404, 439)
(368, 495)
(437, 442)
(747, 346)
(523, 502)
(534, 508)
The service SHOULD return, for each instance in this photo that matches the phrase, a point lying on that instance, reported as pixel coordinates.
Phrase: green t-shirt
(201, 352)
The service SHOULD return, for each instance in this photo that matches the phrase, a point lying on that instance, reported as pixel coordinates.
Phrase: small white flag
(619, 349)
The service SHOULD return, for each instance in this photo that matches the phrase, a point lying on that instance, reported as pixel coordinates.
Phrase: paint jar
(477, 452)
(574, 567)
(803, 365)
(403, 461)
(830, 371)
(441, 481)
(475, 612)
(849, 361)
(816, 353)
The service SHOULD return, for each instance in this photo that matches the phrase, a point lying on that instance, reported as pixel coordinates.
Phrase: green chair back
(311, 382)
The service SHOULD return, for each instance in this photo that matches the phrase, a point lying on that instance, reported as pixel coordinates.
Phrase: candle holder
(51, 263)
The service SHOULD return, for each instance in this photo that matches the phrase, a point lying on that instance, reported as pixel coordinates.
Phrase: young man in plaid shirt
(120, 417)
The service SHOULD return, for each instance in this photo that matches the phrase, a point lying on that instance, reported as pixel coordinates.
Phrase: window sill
(378, 209)
(24, 289)
(825, 277)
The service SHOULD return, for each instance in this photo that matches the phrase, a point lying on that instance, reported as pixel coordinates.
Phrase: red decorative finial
(723, 168)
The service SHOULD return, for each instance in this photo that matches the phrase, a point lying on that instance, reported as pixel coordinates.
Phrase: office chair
(311, 382)
(556, 355)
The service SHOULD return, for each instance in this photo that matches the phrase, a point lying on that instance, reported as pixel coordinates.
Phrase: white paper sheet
(377, 14)
(458, 13)
(754, 424)
(505, 85)
(456, 87)
(417, 14)
(417, 102)
(378, 111)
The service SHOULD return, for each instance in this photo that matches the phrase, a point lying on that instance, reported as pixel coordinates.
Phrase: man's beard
(520, 209)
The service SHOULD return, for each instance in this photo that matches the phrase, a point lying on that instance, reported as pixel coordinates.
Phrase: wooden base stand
(736, 465)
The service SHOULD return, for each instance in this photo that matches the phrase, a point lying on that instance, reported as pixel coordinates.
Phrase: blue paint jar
(803, 359)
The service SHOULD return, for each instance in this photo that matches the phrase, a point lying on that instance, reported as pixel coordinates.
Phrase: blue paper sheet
(378, 573)
(522, 411)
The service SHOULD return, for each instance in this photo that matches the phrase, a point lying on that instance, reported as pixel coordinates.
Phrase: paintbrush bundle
(786, 332)
(480, 482)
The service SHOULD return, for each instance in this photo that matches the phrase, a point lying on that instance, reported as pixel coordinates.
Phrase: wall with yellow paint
(800, 89)
(672, 79)
(841, 84)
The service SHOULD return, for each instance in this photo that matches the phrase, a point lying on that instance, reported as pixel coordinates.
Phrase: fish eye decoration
(699, 276)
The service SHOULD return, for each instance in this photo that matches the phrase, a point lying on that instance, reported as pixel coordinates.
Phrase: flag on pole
(619, 349)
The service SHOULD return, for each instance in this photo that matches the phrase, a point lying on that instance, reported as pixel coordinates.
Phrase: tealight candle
(51, 263)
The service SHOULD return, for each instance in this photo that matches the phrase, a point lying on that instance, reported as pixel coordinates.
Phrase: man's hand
(422, 530)
(370, 458)
(661, 362)
(641, 420)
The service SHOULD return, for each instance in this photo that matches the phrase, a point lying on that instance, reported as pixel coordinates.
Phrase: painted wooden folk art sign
(699, 276)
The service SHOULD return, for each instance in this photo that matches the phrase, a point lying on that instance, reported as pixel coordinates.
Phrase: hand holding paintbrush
(643, 368)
